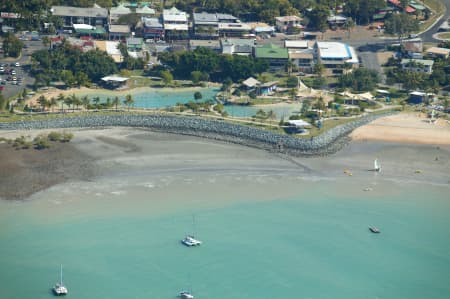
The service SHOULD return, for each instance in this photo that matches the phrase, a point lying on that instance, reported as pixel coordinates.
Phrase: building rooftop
(336, 19)
(333, 50)
(134, 41)
(119, 28)
(195, 43)
(205, 18)
(251, 82)
(145, 11)
(238, 41)
(234, 26)
(120, 10)
(179, 27)
(271, 51)
(174, 14)
(115, 78)
(438, 51)
(300, 44)
(424, 62)
(288, 18)
(152, 22)
(303, 54)
(226, 17)
(79, 11)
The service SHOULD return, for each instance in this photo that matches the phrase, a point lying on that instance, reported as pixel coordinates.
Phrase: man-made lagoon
(153, 98)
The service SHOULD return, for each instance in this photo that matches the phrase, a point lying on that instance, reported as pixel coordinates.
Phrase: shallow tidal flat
(273, 226)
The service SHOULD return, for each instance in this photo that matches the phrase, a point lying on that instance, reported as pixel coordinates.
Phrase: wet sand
(96, 154)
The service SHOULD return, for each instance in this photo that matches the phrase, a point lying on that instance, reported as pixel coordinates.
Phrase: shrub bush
(41, 142)
(66, 137)
(54, 136)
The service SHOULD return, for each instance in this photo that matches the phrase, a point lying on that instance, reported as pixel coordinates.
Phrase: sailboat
(376, 166)
(190, 240)
(59, 289)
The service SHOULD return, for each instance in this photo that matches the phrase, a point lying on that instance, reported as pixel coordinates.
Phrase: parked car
(17, 64)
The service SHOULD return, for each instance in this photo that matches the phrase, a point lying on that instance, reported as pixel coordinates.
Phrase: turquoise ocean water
(312, 245)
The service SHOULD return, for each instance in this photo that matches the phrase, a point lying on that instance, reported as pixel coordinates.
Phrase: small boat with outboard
(374, 230)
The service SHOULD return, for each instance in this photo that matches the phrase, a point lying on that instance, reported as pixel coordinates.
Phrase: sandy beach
(405, 128)
(95, 154)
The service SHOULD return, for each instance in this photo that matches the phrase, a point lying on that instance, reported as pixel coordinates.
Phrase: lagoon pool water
(281, 111)
(157, 98)
(162, 98)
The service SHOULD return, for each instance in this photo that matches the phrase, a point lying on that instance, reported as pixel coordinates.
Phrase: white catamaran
(59, 289)
(190, 240)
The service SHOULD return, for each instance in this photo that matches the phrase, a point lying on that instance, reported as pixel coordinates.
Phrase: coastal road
(427, 36)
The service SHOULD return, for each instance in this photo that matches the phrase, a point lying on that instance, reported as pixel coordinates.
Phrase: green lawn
(445, 35)
(438, 8)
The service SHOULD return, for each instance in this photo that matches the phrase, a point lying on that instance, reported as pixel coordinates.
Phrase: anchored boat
(59, 289)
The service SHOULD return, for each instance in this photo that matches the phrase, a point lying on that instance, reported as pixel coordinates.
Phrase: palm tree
(349, 24)
(75, 101)
(68, 101)
(61, 99)
(85, 102)
(116, 102)
(96, 100)
(271, 116)
(128, 101)
(52, 103)
(42, 101)
(289, 66)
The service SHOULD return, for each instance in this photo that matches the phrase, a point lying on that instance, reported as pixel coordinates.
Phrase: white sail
(376, 165)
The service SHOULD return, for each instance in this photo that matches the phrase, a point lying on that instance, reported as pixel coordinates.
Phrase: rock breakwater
(326, 143)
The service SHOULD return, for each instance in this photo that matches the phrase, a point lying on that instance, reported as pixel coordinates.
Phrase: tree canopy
(12, 45)
(361, 79)
(71, 65)
(401, 24)
(206, 61)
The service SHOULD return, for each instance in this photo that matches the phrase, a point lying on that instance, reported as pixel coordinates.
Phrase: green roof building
(276, 56)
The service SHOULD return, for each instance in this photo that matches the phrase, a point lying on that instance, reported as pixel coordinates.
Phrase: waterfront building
(93, 16)
(417, 65)
(116, 12)
(152, 28)
(288, 23)
(175, 23)
(335, 57)
(119, 32)
(205, 25)
(237, 46)
(276, 56)
(210, 44)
